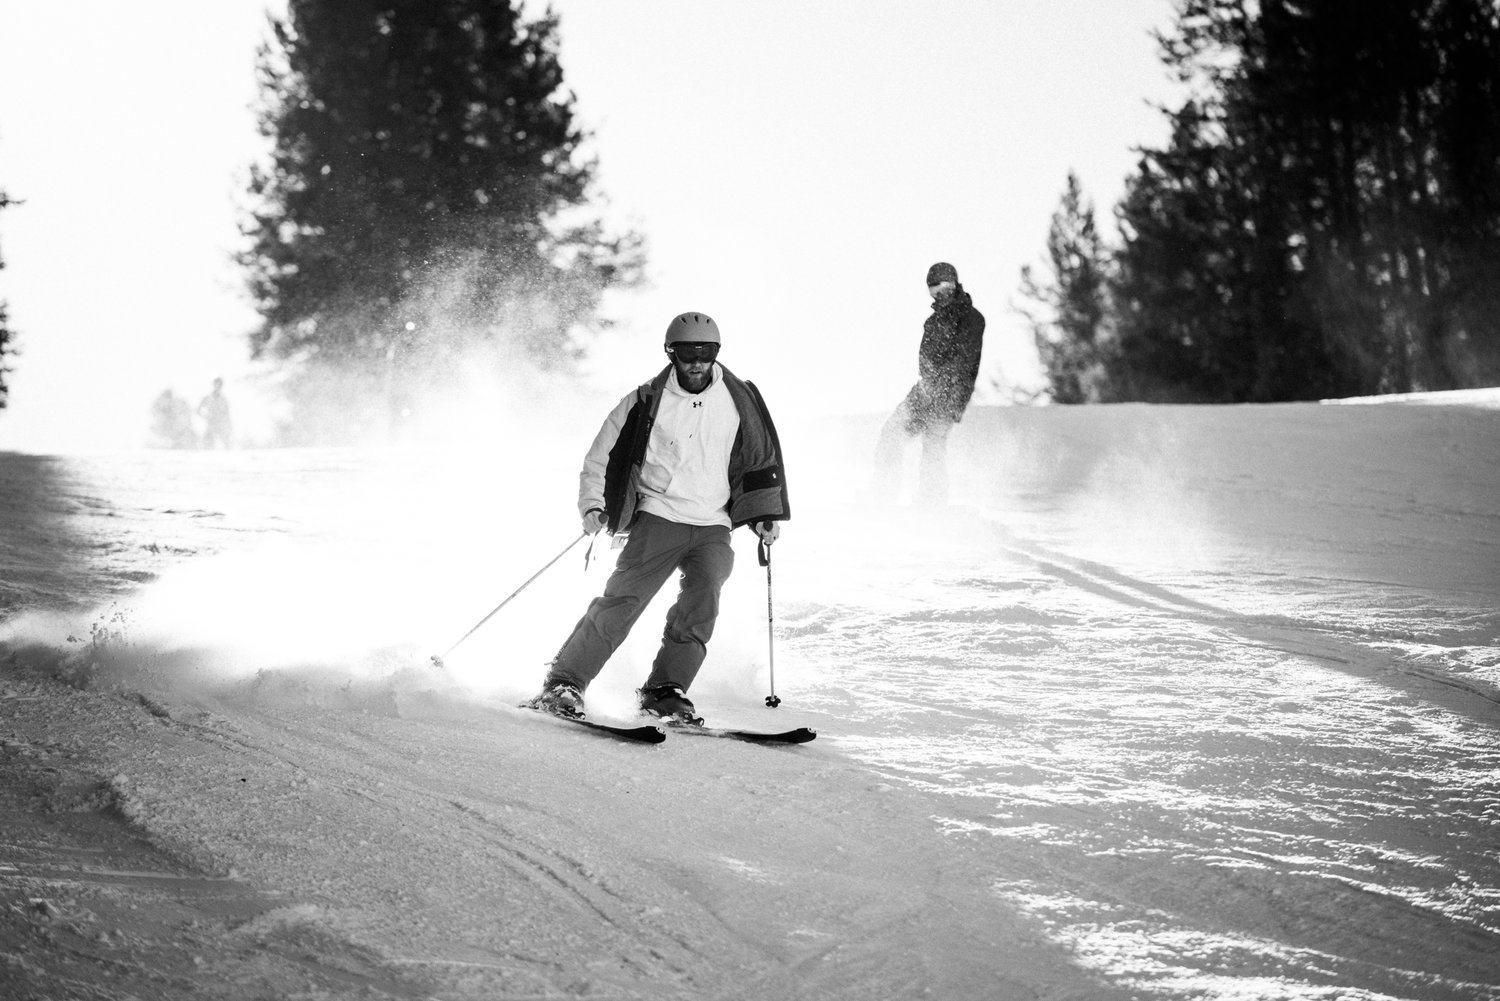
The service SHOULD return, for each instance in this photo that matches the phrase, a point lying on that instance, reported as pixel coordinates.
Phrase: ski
(800, 735)
(640, 734)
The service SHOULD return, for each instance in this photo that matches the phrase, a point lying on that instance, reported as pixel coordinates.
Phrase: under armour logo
(697, 403)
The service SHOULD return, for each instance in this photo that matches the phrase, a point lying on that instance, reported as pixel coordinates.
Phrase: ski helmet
(693, 327)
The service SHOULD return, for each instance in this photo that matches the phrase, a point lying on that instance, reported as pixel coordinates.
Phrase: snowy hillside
(1172, 702)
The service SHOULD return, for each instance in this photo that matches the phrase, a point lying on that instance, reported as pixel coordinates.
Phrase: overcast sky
(795, 165)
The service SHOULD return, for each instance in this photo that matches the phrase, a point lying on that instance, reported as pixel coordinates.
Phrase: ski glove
(769, 531)
(593, 521)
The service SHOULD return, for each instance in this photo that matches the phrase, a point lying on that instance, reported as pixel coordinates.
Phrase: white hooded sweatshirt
(685, 477)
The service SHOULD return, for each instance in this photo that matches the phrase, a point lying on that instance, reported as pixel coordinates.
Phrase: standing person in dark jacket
(214, 410)
(947, 366)
(679, 463)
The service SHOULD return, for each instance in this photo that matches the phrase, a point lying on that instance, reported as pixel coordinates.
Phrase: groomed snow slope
(1171, 702)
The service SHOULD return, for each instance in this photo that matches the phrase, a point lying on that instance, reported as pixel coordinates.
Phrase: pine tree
(1326, 217)
(1466, 139)
(1069, 330)
(426, 196)
(1183, 333)
(1206, 284)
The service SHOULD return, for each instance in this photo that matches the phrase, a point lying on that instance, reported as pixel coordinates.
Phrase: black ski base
(655, 734)
(800, 735)
(639, 734)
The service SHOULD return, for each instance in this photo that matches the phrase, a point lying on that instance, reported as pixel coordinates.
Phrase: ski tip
(639, 734)
(801, 735)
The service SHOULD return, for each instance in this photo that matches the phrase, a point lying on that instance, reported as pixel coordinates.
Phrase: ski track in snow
(1173, 703)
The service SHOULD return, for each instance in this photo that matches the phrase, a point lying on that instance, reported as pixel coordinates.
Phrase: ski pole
(437, 659)
(772, 700)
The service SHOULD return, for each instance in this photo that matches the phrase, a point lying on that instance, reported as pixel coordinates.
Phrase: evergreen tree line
(426, 203)
(1323, 221)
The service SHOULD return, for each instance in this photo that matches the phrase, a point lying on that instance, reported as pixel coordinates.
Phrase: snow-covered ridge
(1485, 397)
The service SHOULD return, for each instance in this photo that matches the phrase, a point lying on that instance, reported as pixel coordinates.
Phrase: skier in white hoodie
(680, 462)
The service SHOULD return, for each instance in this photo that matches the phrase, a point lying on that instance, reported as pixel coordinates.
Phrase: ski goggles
(688, 352)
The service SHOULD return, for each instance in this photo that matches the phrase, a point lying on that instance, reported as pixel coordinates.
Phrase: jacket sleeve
(757, 480)
(591, 478)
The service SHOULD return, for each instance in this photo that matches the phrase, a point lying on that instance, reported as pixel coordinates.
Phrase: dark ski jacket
(948, 361)
(757, 482)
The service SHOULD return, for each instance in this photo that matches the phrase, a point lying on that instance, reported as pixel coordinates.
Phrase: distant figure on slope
(214, 411)
(680, 462)
(172, 421)
(947, 366)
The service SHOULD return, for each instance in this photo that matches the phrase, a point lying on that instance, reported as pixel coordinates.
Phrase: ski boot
(560, 698)
(670, 703)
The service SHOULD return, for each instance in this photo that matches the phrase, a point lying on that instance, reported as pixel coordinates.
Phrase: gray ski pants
(655, 549)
